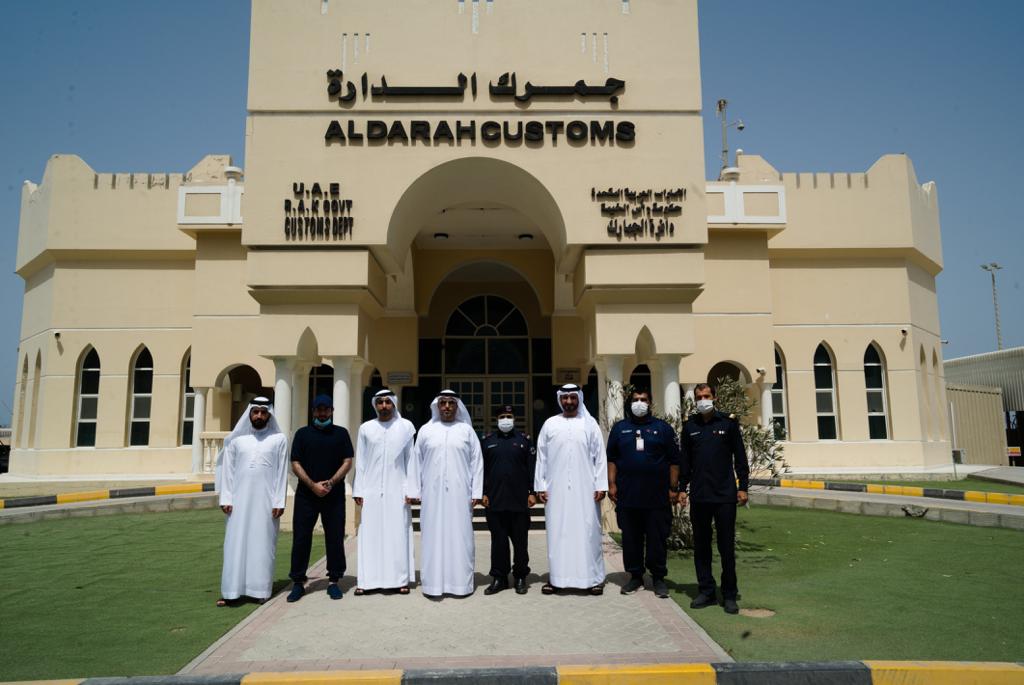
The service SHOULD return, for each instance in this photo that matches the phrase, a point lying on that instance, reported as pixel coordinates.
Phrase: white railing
(212, 442)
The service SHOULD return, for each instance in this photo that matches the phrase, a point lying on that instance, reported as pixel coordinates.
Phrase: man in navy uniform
(643, 477)
(509, 462)
(713, 460)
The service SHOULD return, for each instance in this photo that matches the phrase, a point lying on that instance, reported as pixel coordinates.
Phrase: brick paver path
(506, 629)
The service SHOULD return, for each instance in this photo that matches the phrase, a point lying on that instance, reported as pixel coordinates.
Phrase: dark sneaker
(660, 588)
(496, 586)
(703, 600)
(296, 594)
(520, 586)
(632, 585)
(730, 606)
(334, 592)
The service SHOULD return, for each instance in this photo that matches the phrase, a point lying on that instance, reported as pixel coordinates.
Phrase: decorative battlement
(133, 181)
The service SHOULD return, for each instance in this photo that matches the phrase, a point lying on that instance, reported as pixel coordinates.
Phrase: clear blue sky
(822, 86)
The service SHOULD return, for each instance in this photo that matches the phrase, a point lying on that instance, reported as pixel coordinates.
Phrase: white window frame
(134, 395)
(779, 388)
(832, 392)
(187, 393)
(883, 391)
(79, 420)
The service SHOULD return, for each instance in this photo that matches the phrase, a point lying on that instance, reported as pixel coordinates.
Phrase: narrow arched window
(779, 404)
(825, 394)
(878, 405)
(88, 400)
(188, 402)
(142, 398)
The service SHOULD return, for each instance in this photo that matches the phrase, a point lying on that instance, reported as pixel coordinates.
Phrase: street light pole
(992, 268)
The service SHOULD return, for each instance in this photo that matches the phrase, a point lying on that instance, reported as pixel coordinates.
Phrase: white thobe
(386, 473)
(254, 481)
(451, 475)
(571, 467)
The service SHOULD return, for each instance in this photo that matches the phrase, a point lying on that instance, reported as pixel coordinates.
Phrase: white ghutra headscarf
(244, 427)
(461, 416)
(386, 392)
(573, 389)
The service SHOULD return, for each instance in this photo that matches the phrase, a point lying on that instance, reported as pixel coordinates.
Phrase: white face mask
(506, 425)
(705, 406)
(639, 408)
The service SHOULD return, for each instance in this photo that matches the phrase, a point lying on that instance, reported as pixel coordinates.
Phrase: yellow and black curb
(904, 490)
(750, 673)
(96, 495)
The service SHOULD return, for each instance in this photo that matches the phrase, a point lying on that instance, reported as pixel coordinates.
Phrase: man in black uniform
(643, 476)
(509, 462)
(713, 460)
(321, 456)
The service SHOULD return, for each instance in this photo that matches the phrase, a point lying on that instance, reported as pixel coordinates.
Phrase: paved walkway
(1002, 474)
(394, 631)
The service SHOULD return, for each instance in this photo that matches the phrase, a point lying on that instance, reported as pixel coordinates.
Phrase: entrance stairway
(480, 519)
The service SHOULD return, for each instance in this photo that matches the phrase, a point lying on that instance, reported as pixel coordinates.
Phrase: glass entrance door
(484, 395)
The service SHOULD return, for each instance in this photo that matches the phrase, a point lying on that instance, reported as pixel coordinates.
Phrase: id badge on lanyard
(639, 442)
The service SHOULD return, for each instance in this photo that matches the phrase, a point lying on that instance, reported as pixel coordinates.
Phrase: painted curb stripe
(220, 679)
(183, 489)
(82, 496)
(368, 677)
(944, 672)
(657, 674)
(133, 492)
(903, 490)
(788, 673)
(530, 675)
(40, 682)
(30, 501)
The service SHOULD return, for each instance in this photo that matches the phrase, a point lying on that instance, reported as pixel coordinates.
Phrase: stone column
(355, 398)
(300, 395)
(283, 379)
(342, 377)
(671, 399)
(688, 391)
(766, 405)
(613, 402)
(198, 427)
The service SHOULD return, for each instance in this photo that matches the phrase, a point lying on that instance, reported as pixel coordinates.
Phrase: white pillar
(300, 395)
(766, 405)
(355, 396)
(342, 377)
(198, 427)
(671, 399)
(688, 392)
(283, 372)
(613, 371)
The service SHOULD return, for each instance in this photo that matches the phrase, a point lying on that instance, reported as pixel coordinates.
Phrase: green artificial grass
(126, 594)
(863, 587)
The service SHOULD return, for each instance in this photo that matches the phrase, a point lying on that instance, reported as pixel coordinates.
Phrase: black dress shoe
(497, 585)
(730, 606)
(703, 600)
(632, 585)
(520, 586)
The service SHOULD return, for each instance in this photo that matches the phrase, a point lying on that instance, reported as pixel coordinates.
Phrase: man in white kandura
(253, 483)
(451, 469)
(387, 474)
(571, 480)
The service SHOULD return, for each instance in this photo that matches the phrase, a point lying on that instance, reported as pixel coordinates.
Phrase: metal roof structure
(1003, 369)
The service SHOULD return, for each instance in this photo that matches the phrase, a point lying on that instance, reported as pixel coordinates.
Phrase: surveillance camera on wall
(903, 331)
(761, 370)
(56, 335)
(740, 126)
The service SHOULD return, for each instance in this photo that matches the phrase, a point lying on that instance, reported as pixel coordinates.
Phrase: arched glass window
(88, 400)
(825, 394)
(878, 405)
(486, 334)
(779, 404)
(188, 402)
(142, 398)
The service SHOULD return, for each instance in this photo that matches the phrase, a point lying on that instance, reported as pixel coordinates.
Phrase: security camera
(56, 335)
(903, 332)
(740, 125)
(761, 371)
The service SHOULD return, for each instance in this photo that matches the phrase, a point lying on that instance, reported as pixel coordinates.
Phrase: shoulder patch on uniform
(732, 416)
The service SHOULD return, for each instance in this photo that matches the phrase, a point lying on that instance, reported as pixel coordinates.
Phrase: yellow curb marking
(654, 674)
(998, 498)
(944, 672)
(975, 496)
(179, 489)
(82, 496)
(383, 677)
(876, 489)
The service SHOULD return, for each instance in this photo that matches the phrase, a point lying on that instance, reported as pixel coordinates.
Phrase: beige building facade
(493, 196)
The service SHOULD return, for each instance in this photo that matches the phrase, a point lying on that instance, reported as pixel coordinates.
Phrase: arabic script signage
(318, 212)
(534, 133)
(640, 213)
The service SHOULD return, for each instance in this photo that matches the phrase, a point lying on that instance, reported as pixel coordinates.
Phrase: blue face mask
(321, 423)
